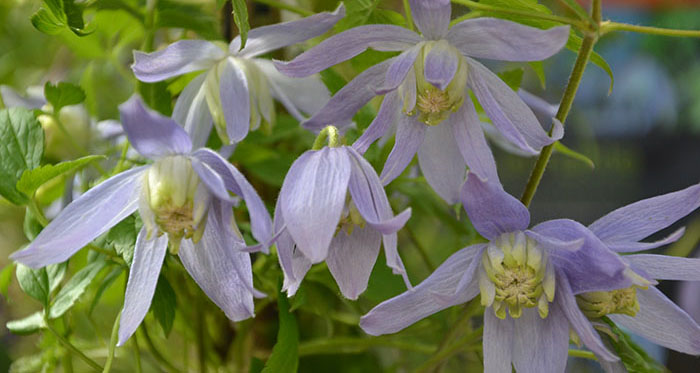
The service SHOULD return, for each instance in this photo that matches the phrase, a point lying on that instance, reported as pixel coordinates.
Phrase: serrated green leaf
(46, 22)
(6, 278)
(240, 17)
(74, 16)
(564, 150)
(34, 282)
(164, 304)
(55, 273)
(31, 180)
(74, 288)
(285, 353)
(56, 8)
(63, 94)
(21, 148)
(28, 325)
(513, 78)
(122, 238)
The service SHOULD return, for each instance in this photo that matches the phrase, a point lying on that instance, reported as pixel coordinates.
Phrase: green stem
(112, 344)
(409, 14)
(292, 8)
(584, 54)
(597, 11)
(549, 17)
(329, 133)
(201, 337)
(149, 23)
(582, 354)
(137, 352)
(609, 26)
(73, 349)
(38, 214)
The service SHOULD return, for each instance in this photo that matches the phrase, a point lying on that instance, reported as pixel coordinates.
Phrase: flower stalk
(329, 133)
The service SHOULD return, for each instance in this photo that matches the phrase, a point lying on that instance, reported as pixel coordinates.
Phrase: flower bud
(600, 303)
(69, 142)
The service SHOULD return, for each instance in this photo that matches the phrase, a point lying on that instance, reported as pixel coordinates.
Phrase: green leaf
(578, 10)
(21, 148)
(635, 359)
(59, 14)
(28, 325)
(34, 282)
(240, 16)
(46, 22)
(512, 77)
(173, 14)
(63, 94)
(74, 14)
(74, 288)
(55, 273)
(106, 283)
(156, 96)
(122, 238)
(564, 150)
(31, 225)
(6, 278)
(285, 353)
(31, 180)
(539, 71)
(164, 304)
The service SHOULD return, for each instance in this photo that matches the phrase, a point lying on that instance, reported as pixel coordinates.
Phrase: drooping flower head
(427, 90)
(184, 202)
(527, 279)
(236, 90)
(319, 220)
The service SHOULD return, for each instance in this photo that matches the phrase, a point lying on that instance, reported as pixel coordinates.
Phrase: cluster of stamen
(350, 218)
(515, 275)
(597, 304)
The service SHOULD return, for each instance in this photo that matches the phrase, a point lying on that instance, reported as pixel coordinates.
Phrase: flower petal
(540, 345)
(90, 215)
(313, 197)
(192, 112)
(623, 247)
(434, 294)
(507, 111)
(346, 45)
(234, 93)
(221, 271)
(213, 181)
(12, 98)
(409, 137)
(143, 277)
(491, 210)
(381, 124)
(293, 263)
(348, 100)
(152, 134)
(643, 218)
(498, 39)
(593, 267)
(351, 258)
(498, 343)
(466, 128)
(268, 38)
(178, 58)
(441, 162)
(664, 267)
(662, 322)
(440, 65)
(432, 17)
(399, 69)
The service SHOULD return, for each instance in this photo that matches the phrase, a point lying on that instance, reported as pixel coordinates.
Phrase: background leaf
(63, 94)
(28, 325)
(285, 354)
(21, 148)
(240, 16)
(31, 180)
(74, 288)
(164, 304)
(34, 282)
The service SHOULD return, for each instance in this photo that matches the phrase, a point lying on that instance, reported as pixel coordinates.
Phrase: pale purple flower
(316, 219)
(429, 83)
(237, 88)
(528, 280)
(183, 199)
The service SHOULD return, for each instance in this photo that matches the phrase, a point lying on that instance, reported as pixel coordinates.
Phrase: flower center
(515, 275)
(433, 101)
(350, 218)
(597, 304)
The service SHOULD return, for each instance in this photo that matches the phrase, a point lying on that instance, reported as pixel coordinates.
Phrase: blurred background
(643, 139)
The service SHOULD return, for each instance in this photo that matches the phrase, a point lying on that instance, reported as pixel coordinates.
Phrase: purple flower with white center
(183, 199)
(429, 83)
(316, 219)
(236, 91)
(528, 281)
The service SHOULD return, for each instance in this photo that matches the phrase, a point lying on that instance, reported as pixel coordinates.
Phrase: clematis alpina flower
(527, 280)
(427, 90)
(316, 219)
(183, 199)
(236, 90)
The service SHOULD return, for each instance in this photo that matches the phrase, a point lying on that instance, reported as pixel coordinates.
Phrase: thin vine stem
(409, 14)
(609, 26)
(549, 17)
(113, 339)
(73, 349)
(292, 8)
(582, 354)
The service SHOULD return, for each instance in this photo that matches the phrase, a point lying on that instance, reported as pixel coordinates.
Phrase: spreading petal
(388, 112)
(294, 264)
(222, 271)
(351, 258)
(664, 267)
(540, 345)
(235, 99)
(152, 134)
(466, 128)
(176, 59)
(441, 162)
(440, 65)
(409, 137)
(662, 322)
(90, 215)
(348, 100)
(643, 218)
(631, 246)
(143, 277)
(213, 181)
(432, 17)
(192, 112)
(498, 39)
(346, 45)
(268, 38)
(498, 343)
(434, 294)
(313, 197)
(507, 111)
(491, 210)
(399, 69)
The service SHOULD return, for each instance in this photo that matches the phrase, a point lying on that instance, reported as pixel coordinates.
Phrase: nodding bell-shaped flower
(236, 91)
(183, 199)
(427, 91)
(333, 208)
